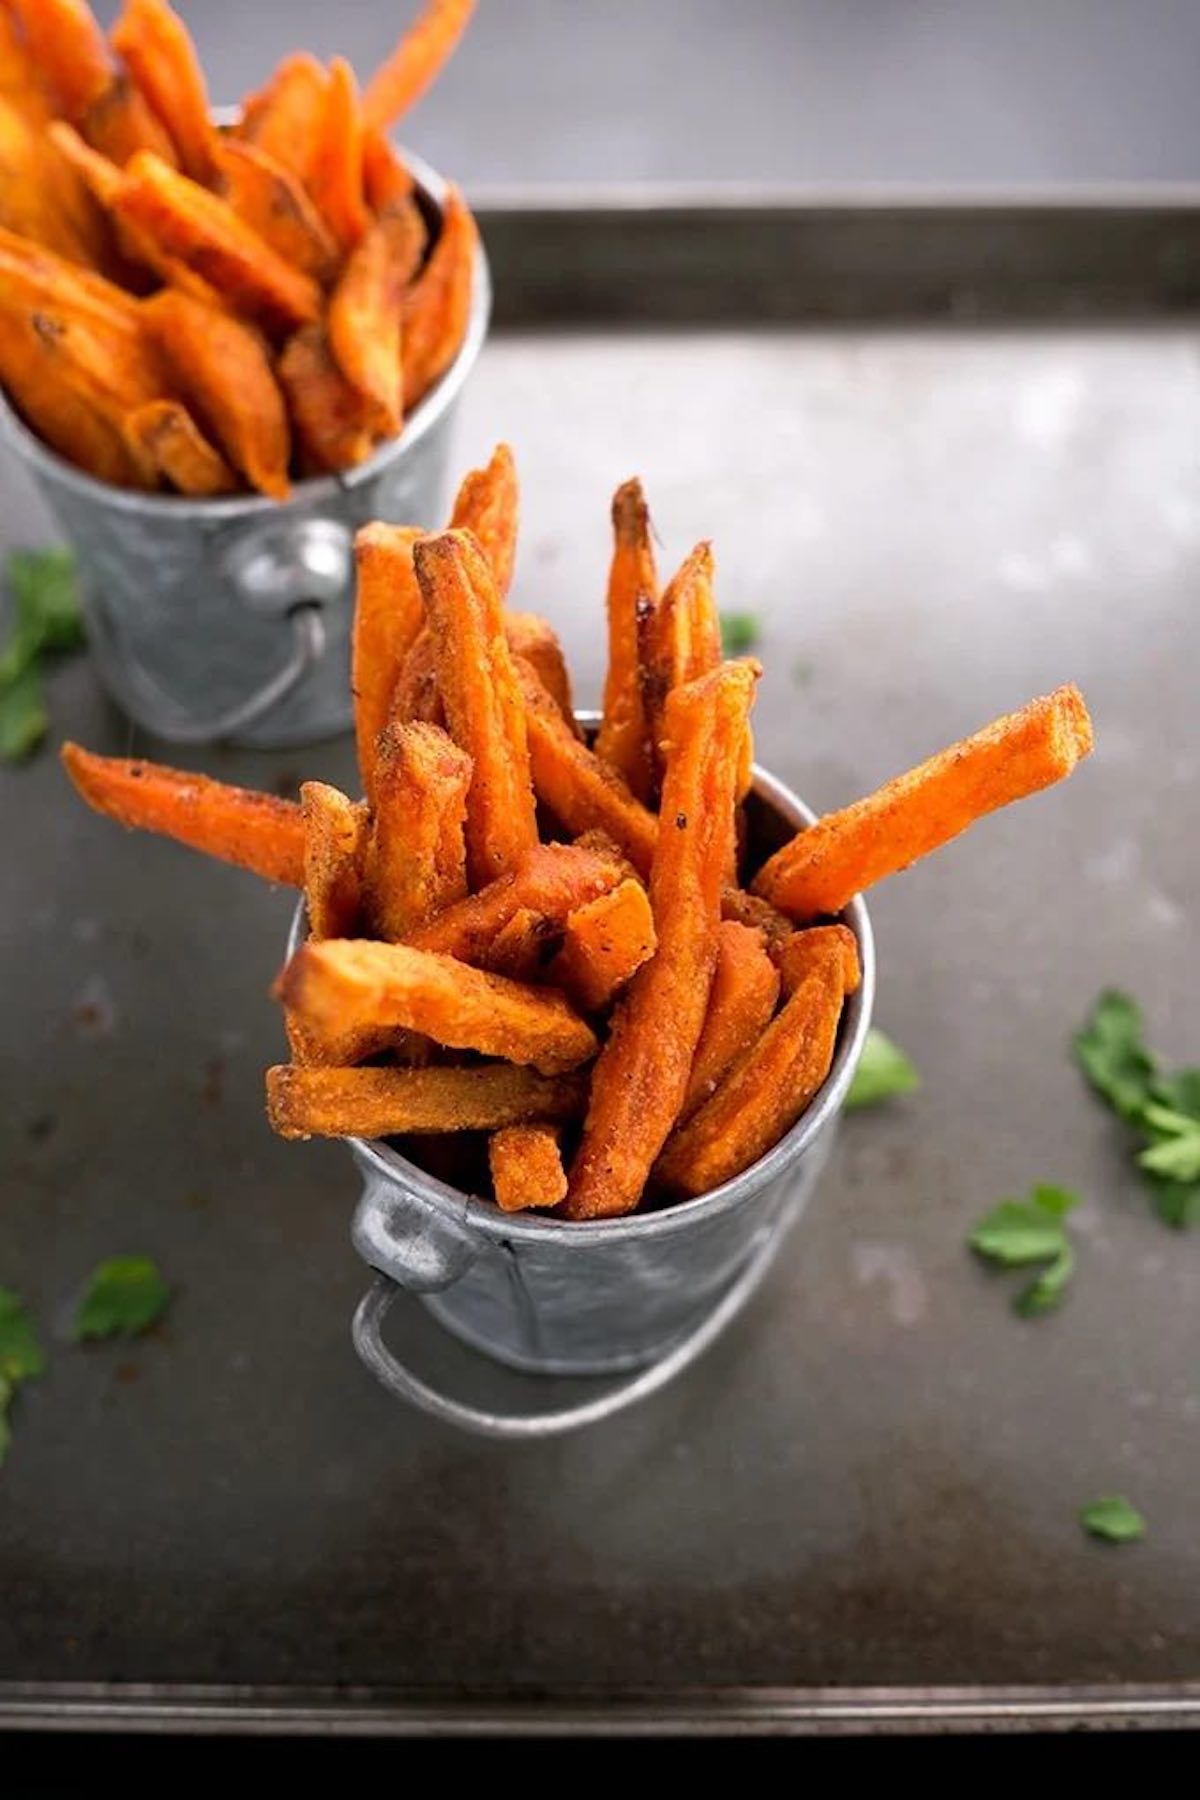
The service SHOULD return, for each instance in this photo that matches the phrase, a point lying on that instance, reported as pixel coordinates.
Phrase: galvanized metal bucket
(647, 1293)
(231, 618)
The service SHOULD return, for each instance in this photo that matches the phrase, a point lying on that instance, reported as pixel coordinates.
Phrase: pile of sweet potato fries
(209, 310)
(555, 943)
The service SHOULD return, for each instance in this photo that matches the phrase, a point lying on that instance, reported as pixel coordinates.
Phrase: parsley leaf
(21, 1358)
(1017, 1233)
(1112, 1053)
(1175, 1151)
(1112, 1518)
(23, 718)
(739, 633)
(124, 1295)
(1163, 1108)
(45, 621)
(883, 1070)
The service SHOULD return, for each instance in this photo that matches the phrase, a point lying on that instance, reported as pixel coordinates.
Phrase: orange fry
(334, 843)
(157, 48)
(641, 1076)
(526, 1167)
(68, 48)
(624, 736)
(54, 410)
(535, 640)
(522, 948)
(415, 696)
(364, 311)
(487, 506)
(272, 200)
(607, 940)
(333, 422)
(804, 950)
(416, 61)
(349, 982)
(284, 116)
(21, 81)
(416, 856)
(581, 791)
(110, 370)
(236, 825)
(679, 639)
(821, 869)
(202, 231)
(744, 991)
(482, 698)
(375, 1103)
(438, 303)
(32, 275)
(386, 181)
(120, 124)
(767, 1089)
(389, 615)
(335, 166)
(749, 909)
(165, 434)
(549, 883)
(40, 194)
(104, 180)
(220, 365)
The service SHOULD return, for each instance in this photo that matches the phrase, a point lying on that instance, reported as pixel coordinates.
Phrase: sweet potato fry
(335, 835)
(550, 883)
(487, 506)
(40, 196)
(535, 640)
(364, 311)
(386, 181)
(164, 433)
(54, 410)
(110, 370)
(335, 166)
(526, 1167)
(766, 1092)
(438, 303)
(389, 615)
(21, 81)
(120, 124)
(416, 61)
(607, 940)
(236, 825)
(624, 736)
(347, 982)
(32, 275)
(221, 367)
(333, 422)
(375, 1103)
(641, 1076)
(805, 950)
(744, 992)
(158, 50)
(484, 707)
(283, 117)
(824, 867)
(678, 640)
(415, 697)
(581, 791)
(68, 49)
(416, 854)
(202, 231)
(522, 948)
(103, 179)
(760, 915)
(272, 200)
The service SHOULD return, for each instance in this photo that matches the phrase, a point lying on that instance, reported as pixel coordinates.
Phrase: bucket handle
(399, 1379)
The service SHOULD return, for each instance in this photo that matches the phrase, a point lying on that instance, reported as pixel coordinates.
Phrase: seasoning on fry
(526, 1167)
(802, 951)
(374, 1103)
(437, 305)
(388, 617)
(741, 1000)
(157, 47)
(535, 641)
(335, 427)
(624, 736)
(271, 199)
(606, 942)
(678, 640)
(165, 433)
(416, 854)
(486, 505)
(335, 164)
(364, 311)
(552, 881)
(334, 833)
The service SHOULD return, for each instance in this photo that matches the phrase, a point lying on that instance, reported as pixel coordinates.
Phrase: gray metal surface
(872, 1480)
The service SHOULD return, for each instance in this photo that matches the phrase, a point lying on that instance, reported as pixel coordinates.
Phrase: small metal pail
(647, 1293)
(231, 618)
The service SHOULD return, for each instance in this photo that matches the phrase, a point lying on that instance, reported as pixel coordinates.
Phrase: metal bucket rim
(473, 1211)
(304, 494)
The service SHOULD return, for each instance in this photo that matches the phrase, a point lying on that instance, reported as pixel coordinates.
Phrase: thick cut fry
(364, 311)
(335, 831)
(678, 640)
(109, 369)
(220, 365)
(744, 992)
(415, 696)
(158, 50)
(165, 433)
(55, 411)
(607, 940)
(641, 1077)
(416, 61)
(438, 303)
(536, 641)
(749, 909)
(333, 422)
(526, 1167)
(202, 231)
(821, 869)
(32, 275)
(21, 81)
(236, 825)
(581, 791)
(484, 707)
(386, 181)
(40, 194)
(120, 124)
(268, 197)
(68, 49)
(347, 982)
(283, 117)
(549, 883)
(804, 951)
(388, 617)
(416, 857)
(487, 505)
(104, 180)
(624, 736)
(374, 1103)
(522, 948)
(335, 167)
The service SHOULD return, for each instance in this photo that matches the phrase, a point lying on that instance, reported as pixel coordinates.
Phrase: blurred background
(770, 92)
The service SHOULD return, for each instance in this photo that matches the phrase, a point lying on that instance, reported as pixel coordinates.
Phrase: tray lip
(824, 199)
(253, 1710)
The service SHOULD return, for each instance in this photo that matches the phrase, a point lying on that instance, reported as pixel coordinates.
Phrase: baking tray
(859, 1513)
